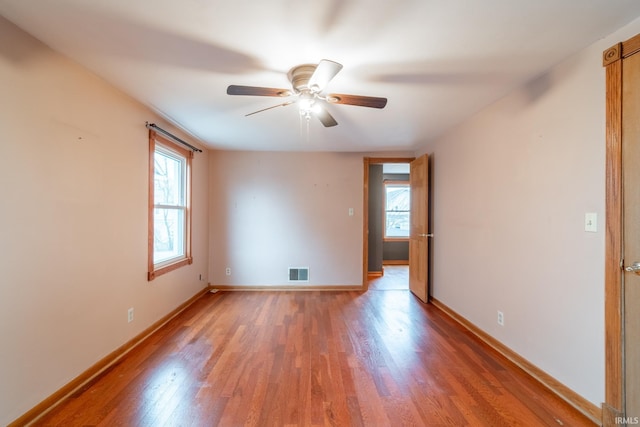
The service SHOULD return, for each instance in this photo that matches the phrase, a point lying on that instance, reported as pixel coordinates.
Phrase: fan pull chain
(306, 118)
(300, 130)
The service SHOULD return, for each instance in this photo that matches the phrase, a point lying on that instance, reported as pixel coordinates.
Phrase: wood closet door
(631, 230)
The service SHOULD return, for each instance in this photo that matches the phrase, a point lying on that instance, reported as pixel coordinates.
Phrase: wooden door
(631, 232)
(622, 239)
(418, 241)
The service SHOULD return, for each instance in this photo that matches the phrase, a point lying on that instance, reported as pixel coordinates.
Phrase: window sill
(168, 267)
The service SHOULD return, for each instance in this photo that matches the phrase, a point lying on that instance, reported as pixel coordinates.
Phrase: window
(169, 206)
(397, 198)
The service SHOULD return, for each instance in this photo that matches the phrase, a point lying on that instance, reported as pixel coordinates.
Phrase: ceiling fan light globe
(306, 114)
(306, 104)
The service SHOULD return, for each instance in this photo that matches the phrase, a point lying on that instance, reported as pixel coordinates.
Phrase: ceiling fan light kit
(308, 81)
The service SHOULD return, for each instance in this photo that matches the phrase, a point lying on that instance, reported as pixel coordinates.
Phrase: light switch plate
(591, 222)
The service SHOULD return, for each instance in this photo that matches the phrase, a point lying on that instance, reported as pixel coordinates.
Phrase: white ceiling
(437, 61)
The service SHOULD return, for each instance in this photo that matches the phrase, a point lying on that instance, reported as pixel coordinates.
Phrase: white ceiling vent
(298, 274)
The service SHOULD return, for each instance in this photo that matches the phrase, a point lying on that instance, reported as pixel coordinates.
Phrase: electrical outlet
(500, 318)
(228, 271)
(130, 315)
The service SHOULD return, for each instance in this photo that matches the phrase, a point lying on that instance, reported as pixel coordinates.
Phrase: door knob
(431, 235)
(635, 268)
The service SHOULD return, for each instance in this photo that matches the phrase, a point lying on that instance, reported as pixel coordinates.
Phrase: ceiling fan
(308, 82)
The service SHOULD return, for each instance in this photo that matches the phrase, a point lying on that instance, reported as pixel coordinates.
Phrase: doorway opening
(387, 223)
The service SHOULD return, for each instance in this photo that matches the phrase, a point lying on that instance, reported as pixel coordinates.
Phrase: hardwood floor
(379, 358)
(395, 277)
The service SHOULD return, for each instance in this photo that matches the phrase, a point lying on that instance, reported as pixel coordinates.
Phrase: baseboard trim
(297, 287)
(587, 408)
(57, 397)
(610, 416)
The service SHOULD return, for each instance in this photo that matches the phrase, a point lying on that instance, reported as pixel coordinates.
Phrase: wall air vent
(298, 274)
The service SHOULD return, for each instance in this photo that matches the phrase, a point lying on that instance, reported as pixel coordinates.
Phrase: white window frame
(384, 209)
(158, 143)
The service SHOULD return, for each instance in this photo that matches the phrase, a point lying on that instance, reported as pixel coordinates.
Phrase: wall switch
(350, 211)
(591, 222)
(500, 318)
(130, 315)
(227, 271)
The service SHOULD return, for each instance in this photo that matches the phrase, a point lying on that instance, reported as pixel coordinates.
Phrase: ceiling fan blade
(257, 91)
(324, 72)
(361, 101)
(326, 118)
(284, 104)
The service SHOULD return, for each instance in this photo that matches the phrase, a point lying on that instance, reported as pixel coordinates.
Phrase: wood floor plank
(313, 359)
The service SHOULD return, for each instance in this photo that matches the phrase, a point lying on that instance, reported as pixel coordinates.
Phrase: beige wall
(511, 188)
(73, 223)
(271, 211)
